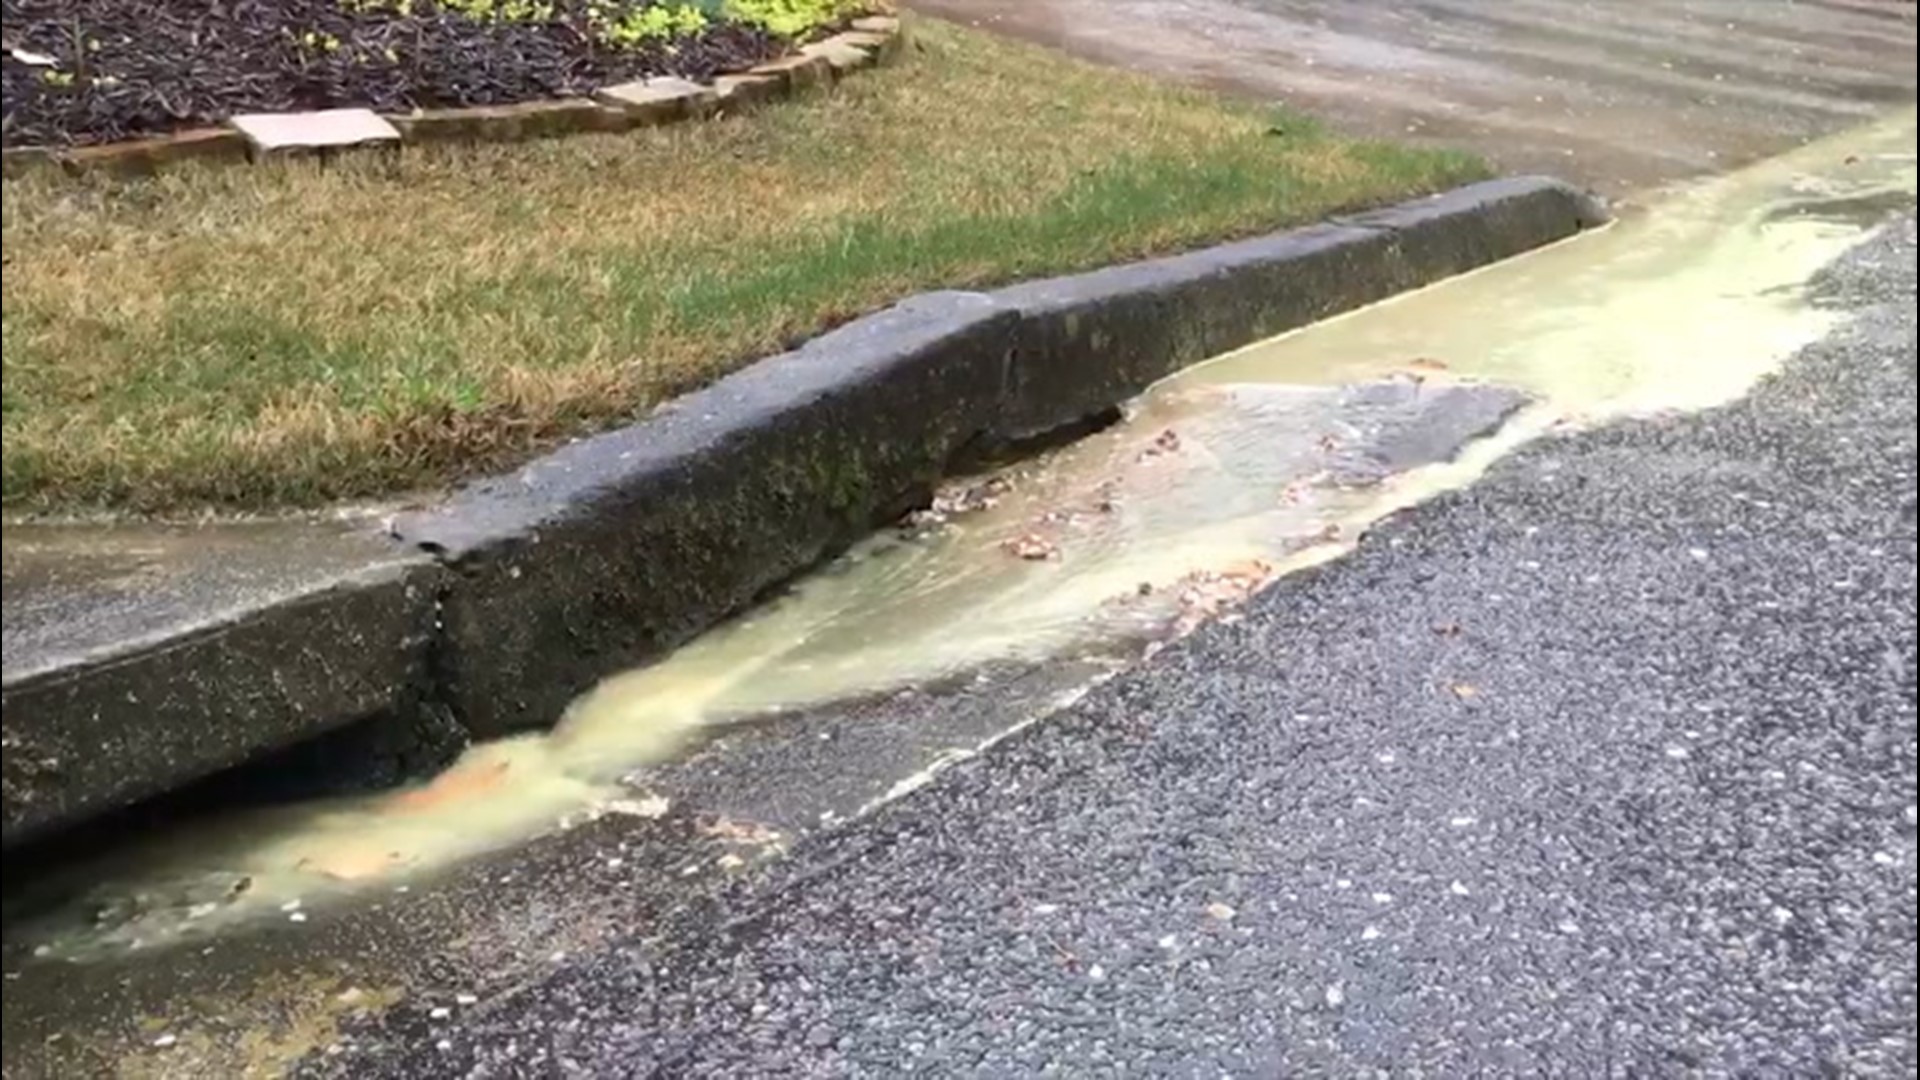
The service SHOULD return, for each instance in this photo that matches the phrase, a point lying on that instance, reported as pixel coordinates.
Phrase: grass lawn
(290, 334)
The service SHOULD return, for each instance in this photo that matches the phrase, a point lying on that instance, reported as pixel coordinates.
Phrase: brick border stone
(620, 107)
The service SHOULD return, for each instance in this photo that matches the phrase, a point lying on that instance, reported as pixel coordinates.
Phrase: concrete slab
(140, 658)
(841, 55)
(659, 101)
(746, 90)
(324, 129)
(75, 593)
(804, 72)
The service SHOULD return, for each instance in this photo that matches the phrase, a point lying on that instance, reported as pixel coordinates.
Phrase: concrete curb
(105, 732)
(617, 548)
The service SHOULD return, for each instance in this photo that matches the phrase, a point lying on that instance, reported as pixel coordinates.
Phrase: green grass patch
(292, 334)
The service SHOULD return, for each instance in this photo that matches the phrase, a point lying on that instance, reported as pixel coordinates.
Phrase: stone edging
(523, 590)
(654, 102)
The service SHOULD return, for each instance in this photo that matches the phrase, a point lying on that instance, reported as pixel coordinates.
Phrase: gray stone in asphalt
(1605, 764)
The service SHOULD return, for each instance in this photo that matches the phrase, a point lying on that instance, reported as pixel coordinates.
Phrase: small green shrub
(637, 26)
(634, 23)
(787, 18)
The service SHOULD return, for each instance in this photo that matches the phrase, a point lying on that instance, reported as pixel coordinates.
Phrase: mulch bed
(132, 68)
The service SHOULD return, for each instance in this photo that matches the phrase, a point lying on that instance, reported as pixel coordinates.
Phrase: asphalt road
(1604, 765)
(1620, 95)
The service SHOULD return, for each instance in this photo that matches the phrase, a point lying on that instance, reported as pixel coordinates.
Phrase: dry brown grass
(293, 334)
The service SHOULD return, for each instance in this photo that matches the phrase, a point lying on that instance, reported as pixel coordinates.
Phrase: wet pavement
(237, 947)
(1603, 765)
(1621, 95)
(714, 911)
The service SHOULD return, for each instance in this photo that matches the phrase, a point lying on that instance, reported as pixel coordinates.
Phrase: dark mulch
(132, 68)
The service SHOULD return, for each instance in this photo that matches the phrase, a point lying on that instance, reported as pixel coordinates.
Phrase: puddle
(1681, 305)
(1225, 477)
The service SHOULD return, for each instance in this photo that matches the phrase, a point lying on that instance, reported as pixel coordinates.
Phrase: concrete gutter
(494, 609)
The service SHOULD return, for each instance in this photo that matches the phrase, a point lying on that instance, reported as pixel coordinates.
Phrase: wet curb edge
(524, 589)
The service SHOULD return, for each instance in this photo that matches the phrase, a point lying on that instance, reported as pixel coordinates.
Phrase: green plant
(515, 11)
(319, 41)
(787, 18)
(636, 26)
(634, 23)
